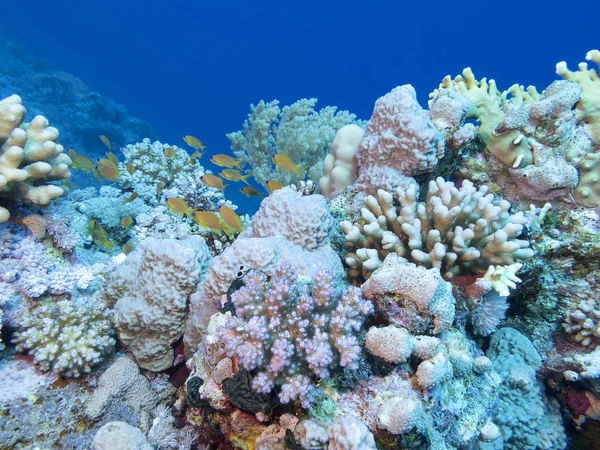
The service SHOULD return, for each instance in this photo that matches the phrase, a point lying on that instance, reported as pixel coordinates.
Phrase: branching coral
(457, 230)
(299, 131)
(30, 157)
(66, 337)
(289, 330)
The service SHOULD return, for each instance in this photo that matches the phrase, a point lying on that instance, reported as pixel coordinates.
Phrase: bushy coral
(456, 230)
(298, 130)
(290, 330)
(66, 337)
(30, 157)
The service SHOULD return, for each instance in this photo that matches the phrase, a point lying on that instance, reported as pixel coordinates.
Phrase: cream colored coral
(153, 284)
(503, 278)
(340, 166)
(30, 157)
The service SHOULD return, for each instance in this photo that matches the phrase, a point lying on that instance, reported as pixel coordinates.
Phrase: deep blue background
(194, 67)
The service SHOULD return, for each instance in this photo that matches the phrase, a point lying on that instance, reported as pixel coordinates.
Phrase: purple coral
(292, 329)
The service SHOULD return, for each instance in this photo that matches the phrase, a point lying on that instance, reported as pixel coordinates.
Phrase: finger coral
(289, 330)
(456, 230)
(30, 157)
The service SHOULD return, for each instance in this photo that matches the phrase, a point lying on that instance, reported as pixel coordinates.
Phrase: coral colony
(425, 280)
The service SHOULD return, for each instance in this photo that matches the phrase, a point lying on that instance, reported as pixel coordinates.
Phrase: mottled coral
(66, 337)
(527, 418)
(290, 331)
(457, 230)
(400, 135)
(298, 130)
(150, 289)
(30, 157)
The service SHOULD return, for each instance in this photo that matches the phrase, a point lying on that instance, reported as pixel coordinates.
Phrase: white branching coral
(290, 330)
(66, 337)
(299, 131)
(30, 157)
(457, 230)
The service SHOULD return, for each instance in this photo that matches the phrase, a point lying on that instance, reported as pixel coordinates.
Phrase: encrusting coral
(456, 230)
(30, 157)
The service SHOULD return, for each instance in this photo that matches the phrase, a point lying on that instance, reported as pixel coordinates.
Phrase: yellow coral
(510, 147)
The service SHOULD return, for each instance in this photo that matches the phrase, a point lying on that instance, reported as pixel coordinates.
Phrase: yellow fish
(81, 162)
(68, 184)
(126, 222)
(113, 158)
(178, 206)
(194, 156)
(234, 175)
(222, 160)
(105, 141)
(130, 168)
(193, 142)
(169, 152)
(213, 181)
(231, 218)
(159, 188)
(99, 236)
(208, 220)
(249, 191)
(284, 162)
(107, 169)
(127, 248)
(131, 198)
(273, 185)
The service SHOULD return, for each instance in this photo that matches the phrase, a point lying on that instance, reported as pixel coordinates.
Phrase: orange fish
(213, 181)
(178, 206)
(230, 217)
(107, 169)
(273, 185)
(105, 141)
(225, 161)
(284, 162)
(250, 191)
(208, 220)
(194, 142)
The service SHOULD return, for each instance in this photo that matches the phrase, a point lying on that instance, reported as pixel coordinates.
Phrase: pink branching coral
(291, 330)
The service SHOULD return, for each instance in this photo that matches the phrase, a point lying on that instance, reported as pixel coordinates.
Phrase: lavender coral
(289, 330)
(457, 230)
(66, 337)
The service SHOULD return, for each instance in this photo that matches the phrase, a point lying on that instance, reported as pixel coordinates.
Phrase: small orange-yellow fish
(105, 141)
(178, 206)
(169, 152)
(222, 160)
(126, 222)
(194, 156)
(81, 162)
(68, 184)
(234, 175)
(113, 158)
(107, 169)
(159, 188)
(250, 191)
(193, 142)
(208, 220)
(99, 236)
(131, 198)
(130, 168)
(273, 185)
(231, 218)
(127, 248)
(284, 162)
(213, 181)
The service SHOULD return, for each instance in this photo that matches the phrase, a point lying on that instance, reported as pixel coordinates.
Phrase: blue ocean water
(195, 67)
